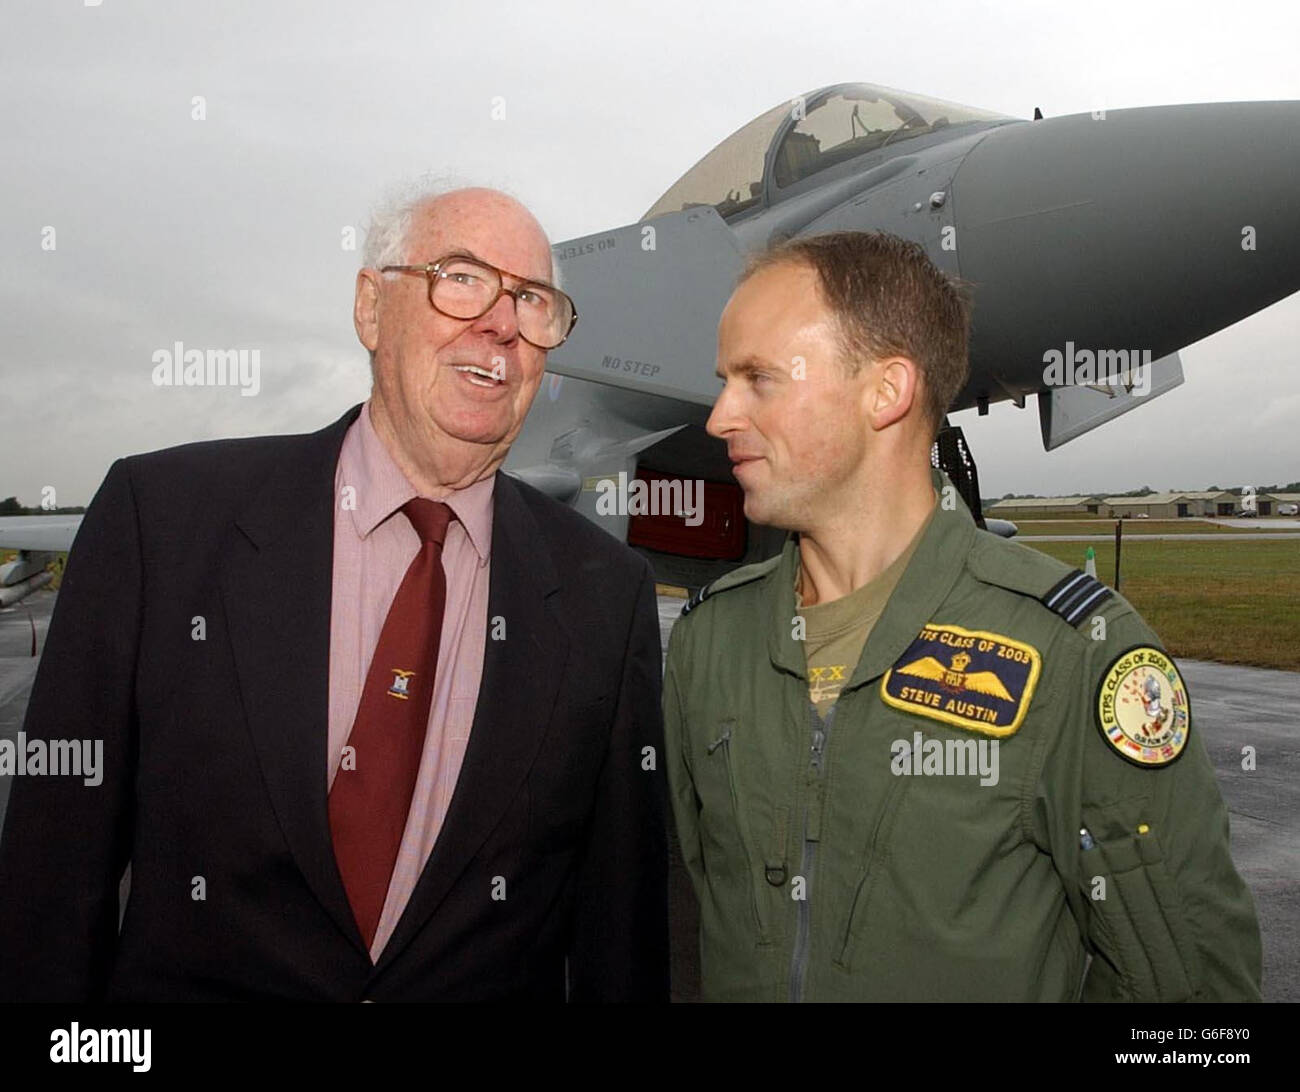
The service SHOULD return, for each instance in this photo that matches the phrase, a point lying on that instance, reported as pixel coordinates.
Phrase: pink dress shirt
(371, 554)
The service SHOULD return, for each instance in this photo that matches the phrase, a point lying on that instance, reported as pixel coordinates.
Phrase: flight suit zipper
(812, 812)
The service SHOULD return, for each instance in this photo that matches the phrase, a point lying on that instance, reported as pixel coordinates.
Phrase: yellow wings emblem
(986, 682)
(982, 682)
(926, 668)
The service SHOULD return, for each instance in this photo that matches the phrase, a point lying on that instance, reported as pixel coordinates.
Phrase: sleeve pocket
(1138, 925)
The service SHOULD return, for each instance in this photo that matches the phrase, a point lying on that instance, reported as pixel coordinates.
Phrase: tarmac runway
(1235, 707)
(1289, 522)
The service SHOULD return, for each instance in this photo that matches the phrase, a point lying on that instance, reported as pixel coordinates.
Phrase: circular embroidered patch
(1142, 707)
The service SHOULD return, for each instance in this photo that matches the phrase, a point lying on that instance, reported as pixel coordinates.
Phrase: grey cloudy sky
(227, 232)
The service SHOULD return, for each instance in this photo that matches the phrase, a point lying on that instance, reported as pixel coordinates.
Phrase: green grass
(1238, 603)
(1030, 527)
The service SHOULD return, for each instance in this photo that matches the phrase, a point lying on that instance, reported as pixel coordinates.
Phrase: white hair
(388, 233)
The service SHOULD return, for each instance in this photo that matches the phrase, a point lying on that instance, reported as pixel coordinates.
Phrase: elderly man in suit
(379, 722)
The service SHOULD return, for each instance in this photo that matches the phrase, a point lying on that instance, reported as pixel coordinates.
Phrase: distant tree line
(10, 506)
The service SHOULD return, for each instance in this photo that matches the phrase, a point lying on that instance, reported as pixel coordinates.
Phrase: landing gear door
(1067, 412)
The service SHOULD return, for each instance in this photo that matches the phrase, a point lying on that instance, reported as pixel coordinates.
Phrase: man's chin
(756, 511)
(471, 428)
(482, 437)
(768, 510)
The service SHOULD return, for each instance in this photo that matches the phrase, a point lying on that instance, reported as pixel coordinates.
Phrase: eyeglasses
(465, 288)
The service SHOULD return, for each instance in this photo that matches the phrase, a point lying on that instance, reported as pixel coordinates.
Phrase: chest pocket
(729, 825)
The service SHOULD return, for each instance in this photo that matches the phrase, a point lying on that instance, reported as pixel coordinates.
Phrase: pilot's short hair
(888, 299)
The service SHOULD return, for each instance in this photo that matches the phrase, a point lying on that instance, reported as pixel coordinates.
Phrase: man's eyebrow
(745, 366)
(465, 252)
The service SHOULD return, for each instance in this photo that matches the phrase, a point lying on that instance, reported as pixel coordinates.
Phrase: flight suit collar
(929, 577)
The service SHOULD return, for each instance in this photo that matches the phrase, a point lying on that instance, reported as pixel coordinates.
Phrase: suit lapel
(277, 585)
(521, 675)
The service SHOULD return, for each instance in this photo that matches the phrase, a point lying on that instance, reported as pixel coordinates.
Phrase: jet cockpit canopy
(801, 138)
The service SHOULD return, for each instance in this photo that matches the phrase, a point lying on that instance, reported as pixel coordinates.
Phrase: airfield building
(1045, 507)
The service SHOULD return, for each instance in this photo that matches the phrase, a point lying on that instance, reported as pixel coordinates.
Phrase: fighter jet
(1095, 243)
(39, 540)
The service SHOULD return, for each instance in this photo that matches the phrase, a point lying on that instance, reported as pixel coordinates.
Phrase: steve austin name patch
(969, 678)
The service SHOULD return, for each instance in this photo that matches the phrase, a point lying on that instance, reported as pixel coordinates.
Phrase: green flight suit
(834, 860)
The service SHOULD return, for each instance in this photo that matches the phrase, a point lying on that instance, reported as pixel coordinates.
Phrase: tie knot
(429, 518)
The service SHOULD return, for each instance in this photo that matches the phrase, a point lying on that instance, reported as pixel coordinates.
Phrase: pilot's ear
(894, 392)
(365, 308)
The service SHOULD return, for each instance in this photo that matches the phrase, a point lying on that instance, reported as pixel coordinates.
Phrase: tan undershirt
(836, 632)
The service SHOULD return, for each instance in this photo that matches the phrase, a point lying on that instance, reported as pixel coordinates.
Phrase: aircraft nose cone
(1144, 229)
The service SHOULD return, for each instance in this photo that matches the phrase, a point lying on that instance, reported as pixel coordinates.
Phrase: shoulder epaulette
(734, 579)
(695, 600)
(1074, 595)
(1070, 593)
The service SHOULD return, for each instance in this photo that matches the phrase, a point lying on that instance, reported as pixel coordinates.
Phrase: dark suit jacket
(214, 756)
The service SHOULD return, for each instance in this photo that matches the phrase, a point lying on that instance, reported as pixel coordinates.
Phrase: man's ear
(365, 308)
(895, 390)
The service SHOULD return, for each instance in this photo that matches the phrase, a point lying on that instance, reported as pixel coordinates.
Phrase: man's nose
(500, 320)
(722, 420)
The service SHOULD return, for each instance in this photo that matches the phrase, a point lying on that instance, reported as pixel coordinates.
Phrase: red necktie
(368, 804)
